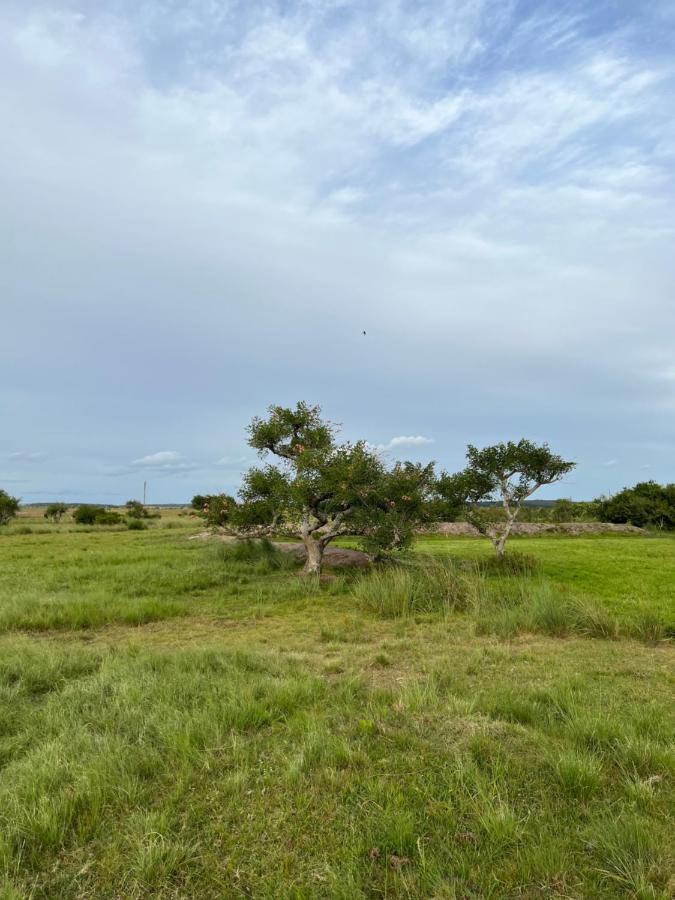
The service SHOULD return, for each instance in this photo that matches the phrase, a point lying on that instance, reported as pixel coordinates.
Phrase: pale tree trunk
(314, 556)
(500, 541)
(313, 548)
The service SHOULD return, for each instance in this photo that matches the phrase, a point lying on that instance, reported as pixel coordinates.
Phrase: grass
(632, 575)
(179, 719)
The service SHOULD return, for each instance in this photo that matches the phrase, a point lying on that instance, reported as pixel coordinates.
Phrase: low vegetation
(190, 719)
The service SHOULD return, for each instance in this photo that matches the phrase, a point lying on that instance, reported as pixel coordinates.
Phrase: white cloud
(610, 462)
(400, 441)
(403, 440)
(26, 455)
(163, 459)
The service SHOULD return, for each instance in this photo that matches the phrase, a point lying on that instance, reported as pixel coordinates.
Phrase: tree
(647, 503)
(136, 510)
(319, 489)
(55, 511)
(9, 506)
(507, 472)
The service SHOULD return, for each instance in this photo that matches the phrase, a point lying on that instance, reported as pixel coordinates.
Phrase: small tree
(9, 506)
(136, 510)
(318, 488)
(507, 472)
(56, 511)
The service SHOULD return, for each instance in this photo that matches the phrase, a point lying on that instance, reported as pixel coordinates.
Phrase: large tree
(318, 488)
(507, 473)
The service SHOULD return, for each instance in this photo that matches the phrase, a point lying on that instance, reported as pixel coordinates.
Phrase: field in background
(178, 719)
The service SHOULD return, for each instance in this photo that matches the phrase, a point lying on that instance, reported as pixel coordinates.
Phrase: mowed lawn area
(185, 719)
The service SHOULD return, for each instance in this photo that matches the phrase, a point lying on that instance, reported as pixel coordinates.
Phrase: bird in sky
(363, 332)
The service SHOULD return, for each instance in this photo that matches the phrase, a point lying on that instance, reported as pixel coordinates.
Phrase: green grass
(630, 575)
(185, 720)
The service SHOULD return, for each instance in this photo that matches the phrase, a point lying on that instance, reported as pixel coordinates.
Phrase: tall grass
(500, 600)
(399, 592)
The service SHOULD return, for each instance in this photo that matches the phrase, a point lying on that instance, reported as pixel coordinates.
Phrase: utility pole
(145, 485)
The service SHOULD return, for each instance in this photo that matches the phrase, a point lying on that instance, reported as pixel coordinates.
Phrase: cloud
(162, 457)
(163, 460)
(610, 462)
(26, 455)
(408, 441)
(487, 187)
(401, 441)
(229, 462)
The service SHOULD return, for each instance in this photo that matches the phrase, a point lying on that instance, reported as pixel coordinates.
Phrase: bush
(90, 514)
(134, 524)
(9, 506)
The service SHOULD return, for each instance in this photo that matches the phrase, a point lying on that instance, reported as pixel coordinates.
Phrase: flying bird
(363, 332)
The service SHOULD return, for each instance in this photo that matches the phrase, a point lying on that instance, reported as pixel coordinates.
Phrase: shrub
(9, 506)
(90, 514)
(134, 524)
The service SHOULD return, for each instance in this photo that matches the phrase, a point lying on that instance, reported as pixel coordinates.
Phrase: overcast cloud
(204, 205)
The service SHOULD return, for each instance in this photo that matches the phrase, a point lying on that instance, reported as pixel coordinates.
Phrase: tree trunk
(314, 556)
(500, 542)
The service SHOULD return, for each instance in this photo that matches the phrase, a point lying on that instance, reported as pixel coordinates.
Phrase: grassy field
(181, 719)
(629, 574)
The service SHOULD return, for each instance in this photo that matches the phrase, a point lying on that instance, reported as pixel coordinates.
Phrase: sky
(203, 204)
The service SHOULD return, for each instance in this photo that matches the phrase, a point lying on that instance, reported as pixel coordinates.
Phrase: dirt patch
(463, 529)
(333, 556)
(339, 557)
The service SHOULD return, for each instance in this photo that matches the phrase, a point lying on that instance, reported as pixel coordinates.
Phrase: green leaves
(9, 507)
(321, 488)
(298, 435)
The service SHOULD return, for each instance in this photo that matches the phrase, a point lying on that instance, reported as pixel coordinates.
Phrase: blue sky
(205, 203)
